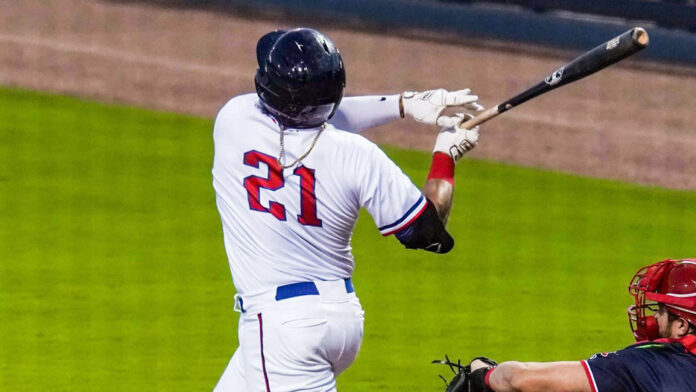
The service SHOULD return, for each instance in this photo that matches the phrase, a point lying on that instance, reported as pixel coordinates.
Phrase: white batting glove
(427, 106)
(456, 141)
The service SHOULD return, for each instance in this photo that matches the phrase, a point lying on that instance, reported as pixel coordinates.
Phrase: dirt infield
(622, 123)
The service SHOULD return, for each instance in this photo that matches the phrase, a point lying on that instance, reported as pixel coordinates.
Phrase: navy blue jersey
(657, 366)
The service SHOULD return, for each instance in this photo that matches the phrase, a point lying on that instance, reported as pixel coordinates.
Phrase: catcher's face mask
(669, 282)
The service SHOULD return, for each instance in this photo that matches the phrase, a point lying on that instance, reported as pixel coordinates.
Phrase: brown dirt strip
(626, 123)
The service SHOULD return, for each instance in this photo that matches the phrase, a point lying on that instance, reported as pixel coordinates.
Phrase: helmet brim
(263, 47)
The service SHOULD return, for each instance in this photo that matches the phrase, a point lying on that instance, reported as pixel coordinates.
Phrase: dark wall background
(568, 24)
(680, 14)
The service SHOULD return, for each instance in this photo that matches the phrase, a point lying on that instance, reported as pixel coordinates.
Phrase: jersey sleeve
(390, 197)
(626, 370)
(356, 114)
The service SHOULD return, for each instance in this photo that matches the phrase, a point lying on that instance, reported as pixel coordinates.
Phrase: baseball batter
(291, 174)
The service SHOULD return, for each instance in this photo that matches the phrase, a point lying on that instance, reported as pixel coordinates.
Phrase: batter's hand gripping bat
(604, 55)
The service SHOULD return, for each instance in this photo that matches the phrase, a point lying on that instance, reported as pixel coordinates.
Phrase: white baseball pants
(295, 344)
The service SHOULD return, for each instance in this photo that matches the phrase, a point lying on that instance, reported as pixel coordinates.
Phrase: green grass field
(113, 275)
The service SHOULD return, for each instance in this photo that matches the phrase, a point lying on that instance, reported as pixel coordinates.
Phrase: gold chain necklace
(281, 156)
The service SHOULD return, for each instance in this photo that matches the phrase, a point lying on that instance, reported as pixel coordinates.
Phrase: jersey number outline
(274, 181)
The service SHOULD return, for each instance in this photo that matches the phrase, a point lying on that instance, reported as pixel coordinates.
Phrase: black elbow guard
(426, 232)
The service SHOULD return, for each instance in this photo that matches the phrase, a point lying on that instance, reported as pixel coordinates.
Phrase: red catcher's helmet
(669, 282)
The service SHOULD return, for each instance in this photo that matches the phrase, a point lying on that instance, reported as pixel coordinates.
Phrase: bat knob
(640, 36)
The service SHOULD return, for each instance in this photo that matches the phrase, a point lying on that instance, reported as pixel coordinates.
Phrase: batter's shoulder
(241, 104)
(239, 115)
(350, 139)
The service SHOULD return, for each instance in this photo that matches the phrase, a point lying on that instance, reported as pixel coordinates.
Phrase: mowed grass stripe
(113, 274)
(110, 249)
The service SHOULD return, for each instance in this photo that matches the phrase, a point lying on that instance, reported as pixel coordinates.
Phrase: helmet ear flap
(262, 81)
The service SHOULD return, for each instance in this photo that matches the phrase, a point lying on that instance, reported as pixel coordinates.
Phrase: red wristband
(486, 379)
(442, 167)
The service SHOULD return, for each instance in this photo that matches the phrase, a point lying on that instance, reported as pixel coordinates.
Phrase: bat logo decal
(613, 43)
(555, 77)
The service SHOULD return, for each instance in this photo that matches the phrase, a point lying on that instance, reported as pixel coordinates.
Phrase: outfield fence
(479, 20)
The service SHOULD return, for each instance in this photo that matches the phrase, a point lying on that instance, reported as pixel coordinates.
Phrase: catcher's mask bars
(668, 282)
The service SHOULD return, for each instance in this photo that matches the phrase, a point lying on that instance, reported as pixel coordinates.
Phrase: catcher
(663, 320)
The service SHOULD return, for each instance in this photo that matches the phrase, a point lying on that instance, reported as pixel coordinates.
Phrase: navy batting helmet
(300, 79)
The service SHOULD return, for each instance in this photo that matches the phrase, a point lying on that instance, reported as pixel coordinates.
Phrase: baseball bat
(604, 55)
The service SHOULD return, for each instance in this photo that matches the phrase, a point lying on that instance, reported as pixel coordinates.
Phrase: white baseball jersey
(286, 225)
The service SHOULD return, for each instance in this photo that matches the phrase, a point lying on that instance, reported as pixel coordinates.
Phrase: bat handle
(481, 118)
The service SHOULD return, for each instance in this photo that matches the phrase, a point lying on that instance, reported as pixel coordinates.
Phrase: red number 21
(274, 181)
